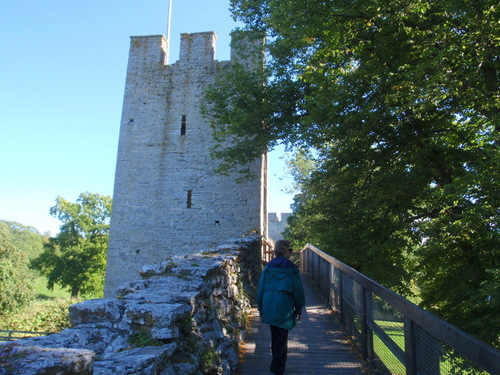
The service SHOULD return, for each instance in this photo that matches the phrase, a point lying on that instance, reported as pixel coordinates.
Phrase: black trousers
(279, 348)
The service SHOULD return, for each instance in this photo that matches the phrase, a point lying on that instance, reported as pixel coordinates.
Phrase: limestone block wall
(167, 199)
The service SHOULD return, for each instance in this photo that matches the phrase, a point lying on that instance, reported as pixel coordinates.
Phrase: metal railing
(16, 335)
(394, 335)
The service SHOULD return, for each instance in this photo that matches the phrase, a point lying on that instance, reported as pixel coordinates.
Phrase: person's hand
(298, 317)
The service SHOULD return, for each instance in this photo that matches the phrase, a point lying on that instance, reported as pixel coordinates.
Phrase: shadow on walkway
(315, 346)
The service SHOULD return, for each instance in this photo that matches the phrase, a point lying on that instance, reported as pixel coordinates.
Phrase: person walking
(280, 299)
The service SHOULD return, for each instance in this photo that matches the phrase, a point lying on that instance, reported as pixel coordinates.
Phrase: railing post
(364, 336)
(366, 322)
(332, 287)
(329, 284)
(302, 264)
(410, 347)
(308, 261)
(341, 296)
(313, 267)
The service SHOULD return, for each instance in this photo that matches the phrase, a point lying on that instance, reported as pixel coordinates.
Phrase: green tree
(401, 102)
(16, 288)
(76, 257)
(25, 238)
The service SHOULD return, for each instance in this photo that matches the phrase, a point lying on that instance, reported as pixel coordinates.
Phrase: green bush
(208, 361)
(41, 316)
(16, 289)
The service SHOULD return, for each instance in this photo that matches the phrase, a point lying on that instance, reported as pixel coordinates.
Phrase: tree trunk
(74, 291)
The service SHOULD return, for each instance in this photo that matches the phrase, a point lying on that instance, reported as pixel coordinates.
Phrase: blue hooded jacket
(280, 297)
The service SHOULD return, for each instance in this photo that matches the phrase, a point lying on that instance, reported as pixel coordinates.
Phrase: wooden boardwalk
(315, 346)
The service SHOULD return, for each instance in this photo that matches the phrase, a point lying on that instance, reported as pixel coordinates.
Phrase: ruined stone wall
(167, 199)
(186, 315)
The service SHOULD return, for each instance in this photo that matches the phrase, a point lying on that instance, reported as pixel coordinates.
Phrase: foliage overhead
(400, 101)
(76, 257)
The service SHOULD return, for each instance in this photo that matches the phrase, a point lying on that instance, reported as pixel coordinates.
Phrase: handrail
(267, 250)
(13, 335)
(393, 334)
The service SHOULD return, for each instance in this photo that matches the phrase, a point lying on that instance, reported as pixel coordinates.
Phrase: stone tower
(167, 198)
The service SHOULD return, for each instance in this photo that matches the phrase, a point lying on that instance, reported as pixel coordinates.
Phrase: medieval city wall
(277, 224)
(167, 198)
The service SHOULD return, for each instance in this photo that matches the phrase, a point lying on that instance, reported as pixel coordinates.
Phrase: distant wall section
(276, 225)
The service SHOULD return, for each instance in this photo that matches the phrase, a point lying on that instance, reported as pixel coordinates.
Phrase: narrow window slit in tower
(189, 202)
(183, 125)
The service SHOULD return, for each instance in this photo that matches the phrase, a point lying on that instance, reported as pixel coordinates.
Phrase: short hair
(281, 247)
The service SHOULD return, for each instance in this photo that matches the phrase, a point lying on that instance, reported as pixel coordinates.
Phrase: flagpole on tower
(168, 26)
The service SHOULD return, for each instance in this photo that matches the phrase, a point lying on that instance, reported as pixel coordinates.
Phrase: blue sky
(62, 76)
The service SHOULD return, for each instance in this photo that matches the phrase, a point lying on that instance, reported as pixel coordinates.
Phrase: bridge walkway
(316, 345)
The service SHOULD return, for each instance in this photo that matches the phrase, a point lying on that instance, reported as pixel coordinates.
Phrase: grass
(396, 333)
(395, 330)
(43, 293)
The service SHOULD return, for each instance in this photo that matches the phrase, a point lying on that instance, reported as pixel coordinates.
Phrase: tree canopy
(25, 238)
(16, 281)
(76, 257)
(400, 102)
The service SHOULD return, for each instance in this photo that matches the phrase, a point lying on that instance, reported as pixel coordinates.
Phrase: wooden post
(410, 353)
(341, 296)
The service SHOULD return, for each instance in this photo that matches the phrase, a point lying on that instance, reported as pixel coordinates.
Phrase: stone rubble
(187, 315)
